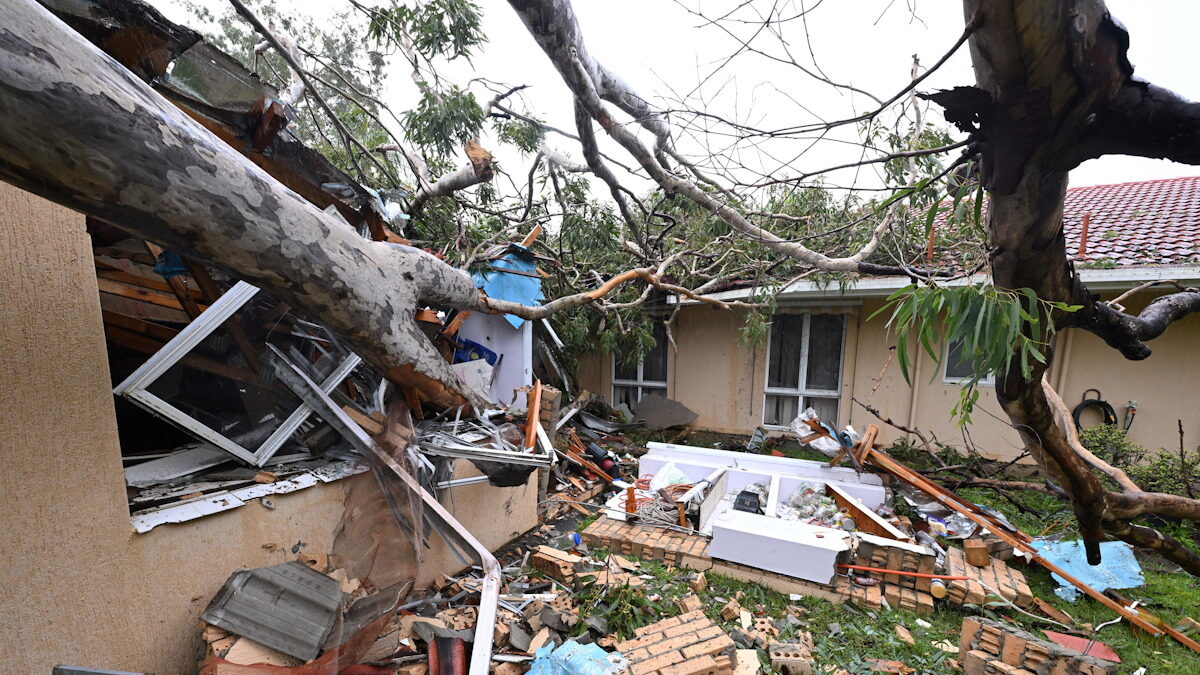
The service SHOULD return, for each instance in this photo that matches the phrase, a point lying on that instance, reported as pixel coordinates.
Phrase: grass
(846, 636)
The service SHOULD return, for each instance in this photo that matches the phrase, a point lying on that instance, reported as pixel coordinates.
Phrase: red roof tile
(1153, 222)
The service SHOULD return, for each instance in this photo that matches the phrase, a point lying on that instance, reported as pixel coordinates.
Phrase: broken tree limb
(80, 130)
(1063, 418)
(553, 25)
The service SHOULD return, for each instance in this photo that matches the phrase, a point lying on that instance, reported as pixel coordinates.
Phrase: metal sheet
(174, 466)
(289, 607)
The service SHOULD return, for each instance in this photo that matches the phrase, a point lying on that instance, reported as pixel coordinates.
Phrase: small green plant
(1110, 442)
(994, 326)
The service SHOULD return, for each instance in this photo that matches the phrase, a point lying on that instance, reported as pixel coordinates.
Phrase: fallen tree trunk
(79, 129)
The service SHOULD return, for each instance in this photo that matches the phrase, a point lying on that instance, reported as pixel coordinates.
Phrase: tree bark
(79, 129)
(1054, 88)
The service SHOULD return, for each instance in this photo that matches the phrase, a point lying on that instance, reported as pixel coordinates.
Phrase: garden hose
(1107, 413)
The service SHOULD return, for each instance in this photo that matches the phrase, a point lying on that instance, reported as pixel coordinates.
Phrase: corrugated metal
(288, 607)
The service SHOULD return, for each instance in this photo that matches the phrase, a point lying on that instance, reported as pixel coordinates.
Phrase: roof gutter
(1117, 279)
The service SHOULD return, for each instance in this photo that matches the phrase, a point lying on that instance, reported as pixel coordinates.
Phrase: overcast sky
(663, 50)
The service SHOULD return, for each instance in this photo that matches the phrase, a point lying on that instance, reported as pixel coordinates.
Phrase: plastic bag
(825, 445)
(573, 658)
(667, 475)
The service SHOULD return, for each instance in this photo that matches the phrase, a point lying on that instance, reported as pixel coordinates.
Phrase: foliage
(443, 119)
(446, 28)
(1174, 472)
(1111, 443)
(994, 326)
(526, 136)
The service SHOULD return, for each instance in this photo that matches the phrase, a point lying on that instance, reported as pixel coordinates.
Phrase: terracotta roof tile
(1154, 222)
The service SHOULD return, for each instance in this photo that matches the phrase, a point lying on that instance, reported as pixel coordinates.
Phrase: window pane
(626, 395)
(957, 367)
(654, 364)
(781, 410)
(825, 351)
(783, 361)
(827, 408)
(622, 371)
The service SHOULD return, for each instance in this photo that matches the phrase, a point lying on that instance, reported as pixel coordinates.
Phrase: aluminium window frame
(136, 386)
(988, 380)
(802, 392)
(640, 383)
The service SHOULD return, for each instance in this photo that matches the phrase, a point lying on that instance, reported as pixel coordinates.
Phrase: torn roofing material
(214, 89)
(512, 277)
(289, 607)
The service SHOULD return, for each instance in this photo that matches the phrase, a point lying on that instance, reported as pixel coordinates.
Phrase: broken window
(958, 366)
(204, 423)
(649, 376)
(804, 366)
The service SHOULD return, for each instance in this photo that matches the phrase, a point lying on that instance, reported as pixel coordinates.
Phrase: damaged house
(822, 352)
(152, 443)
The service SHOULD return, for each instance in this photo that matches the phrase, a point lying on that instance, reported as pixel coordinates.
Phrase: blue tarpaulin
(518, 288)
(573, 658)
(1119, 569)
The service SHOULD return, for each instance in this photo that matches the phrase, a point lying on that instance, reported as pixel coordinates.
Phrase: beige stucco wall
(79, 586)
(714, 374)
(1166, 385)
(722, 380)
(927, 403)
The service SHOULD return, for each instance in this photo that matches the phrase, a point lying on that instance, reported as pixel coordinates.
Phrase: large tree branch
(1128, 334)
(553, 25)
(79, 129)
(1146, 120)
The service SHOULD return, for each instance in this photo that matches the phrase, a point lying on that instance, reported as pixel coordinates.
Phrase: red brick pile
(688, 644)
(989, 647)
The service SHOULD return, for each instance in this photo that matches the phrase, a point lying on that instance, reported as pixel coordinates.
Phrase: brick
(640, 654)
(682, 629)
(701, 665)
(658, 662)
(717, 644)
(975, 662)
(673, 645)
(791, 658)
(731, 610)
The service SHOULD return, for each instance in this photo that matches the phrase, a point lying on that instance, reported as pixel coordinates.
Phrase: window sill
(227, 500)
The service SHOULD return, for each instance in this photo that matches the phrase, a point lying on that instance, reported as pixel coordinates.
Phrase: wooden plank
(140, 326)
(141, 294)
(369, 425)
(140, 281)
(177, 287)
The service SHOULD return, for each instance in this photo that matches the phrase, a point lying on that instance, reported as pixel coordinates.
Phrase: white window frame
(641, 383)
(988, 380)
(135, 387)
(802, 392)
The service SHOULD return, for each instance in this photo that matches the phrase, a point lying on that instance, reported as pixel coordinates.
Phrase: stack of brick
(872, 597)
(998, 576)
(901, 559)
(688, 644)
(989, 647)
(654, 543)
(998, 548)
(556, 564)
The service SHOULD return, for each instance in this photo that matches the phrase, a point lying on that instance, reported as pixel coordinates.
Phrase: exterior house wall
(722, 380)
(714, 374)
(80, 586)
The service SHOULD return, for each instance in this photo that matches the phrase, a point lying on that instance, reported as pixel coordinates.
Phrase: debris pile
(988, 647)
